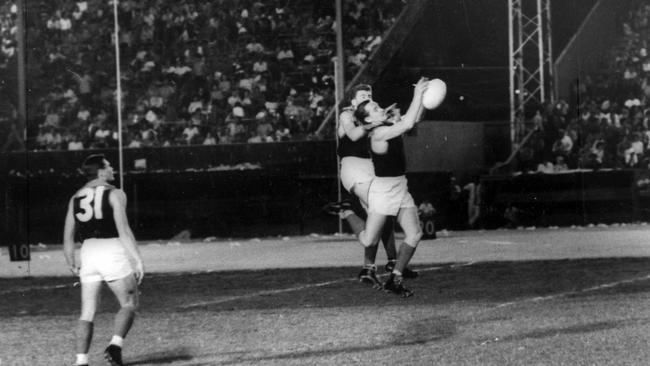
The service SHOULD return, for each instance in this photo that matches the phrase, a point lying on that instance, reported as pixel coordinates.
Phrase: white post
(118, 92)
(339, 82)
(511, 72)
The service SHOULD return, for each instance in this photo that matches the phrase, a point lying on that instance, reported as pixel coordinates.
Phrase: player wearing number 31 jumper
(97, 218)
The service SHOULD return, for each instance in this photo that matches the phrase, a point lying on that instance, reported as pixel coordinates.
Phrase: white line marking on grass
(304, 287)
(500, 242)
(569, 293)
(25, 289)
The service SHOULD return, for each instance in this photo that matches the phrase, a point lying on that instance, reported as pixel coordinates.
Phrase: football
(434, 94)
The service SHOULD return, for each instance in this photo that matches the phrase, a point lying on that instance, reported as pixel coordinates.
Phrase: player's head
(369, 112)
(360, 93)
(96, 166)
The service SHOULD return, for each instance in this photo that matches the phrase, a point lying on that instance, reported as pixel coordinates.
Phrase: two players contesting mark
(382, 185)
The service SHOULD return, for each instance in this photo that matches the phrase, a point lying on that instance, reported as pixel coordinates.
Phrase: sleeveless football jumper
(94, 214)
(103, 256)
(389, 190)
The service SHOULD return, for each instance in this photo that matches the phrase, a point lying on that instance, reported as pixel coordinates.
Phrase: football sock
(369, 255)
(117, 341)
(124, 320)
(404, 256)
(84, 336)
(388, 238)
(82, 359)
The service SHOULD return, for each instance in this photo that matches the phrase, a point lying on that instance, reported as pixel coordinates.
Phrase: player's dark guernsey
(358, 148)
(393, 162)
(93, 213)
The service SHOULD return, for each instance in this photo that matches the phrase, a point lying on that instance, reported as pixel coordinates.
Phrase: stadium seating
(609, 126)
(192, 72)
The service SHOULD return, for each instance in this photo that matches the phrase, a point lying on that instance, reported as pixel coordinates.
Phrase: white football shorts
(103, 259)
(388, 195)
(356, 170)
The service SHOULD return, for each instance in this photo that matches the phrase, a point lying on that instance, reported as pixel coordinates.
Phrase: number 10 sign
(19, 252)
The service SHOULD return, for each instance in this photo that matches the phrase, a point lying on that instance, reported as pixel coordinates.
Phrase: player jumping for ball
(388, 193)
(97, 217)
(356, 174)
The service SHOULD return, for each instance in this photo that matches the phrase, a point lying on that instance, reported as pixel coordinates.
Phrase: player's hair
(358, 88)
(360, 112)
(92, 164)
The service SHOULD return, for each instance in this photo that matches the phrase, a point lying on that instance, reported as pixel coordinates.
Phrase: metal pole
(339, 82)
(549, 44)
(22, 89)
(511, 72)
(541, 51)
(336, 136)
(118, 93)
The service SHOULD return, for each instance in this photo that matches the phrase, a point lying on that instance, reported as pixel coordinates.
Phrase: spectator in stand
(560, 165)
(564, 145)
(209, 139)
(634, 152)
(191, 133)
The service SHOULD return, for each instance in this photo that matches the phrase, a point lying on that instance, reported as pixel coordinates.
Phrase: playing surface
(524, 297)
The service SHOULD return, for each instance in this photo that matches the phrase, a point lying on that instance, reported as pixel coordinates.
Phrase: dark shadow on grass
(416, 333)
(163, 357)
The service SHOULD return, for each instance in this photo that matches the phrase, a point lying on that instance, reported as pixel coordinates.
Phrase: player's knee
(87, 316)
(366, 240)
(413, 239)
(129, 307)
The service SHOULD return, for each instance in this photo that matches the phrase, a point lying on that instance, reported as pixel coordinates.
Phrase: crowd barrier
(225, 191)
(579, 197)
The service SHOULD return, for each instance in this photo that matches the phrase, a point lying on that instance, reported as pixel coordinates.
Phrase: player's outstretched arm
(412, 116)
(349, 128)
(117, 199)
(68, 239)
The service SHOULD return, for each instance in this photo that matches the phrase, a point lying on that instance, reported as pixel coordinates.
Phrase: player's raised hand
(420, 86)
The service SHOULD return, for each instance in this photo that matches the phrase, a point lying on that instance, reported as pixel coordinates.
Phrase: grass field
(560, 312)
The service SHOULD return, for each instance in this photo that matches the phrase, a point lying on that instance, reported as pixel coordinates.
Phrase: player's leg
(90, 297)
(408, 220)
(388, 238)
(368, 273)
(126, 292)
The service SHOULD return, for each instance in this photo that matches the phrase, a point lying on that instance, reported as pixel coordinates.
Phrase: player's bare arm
(117, 199)
(349, 128)
(406, 122)
(68, 239)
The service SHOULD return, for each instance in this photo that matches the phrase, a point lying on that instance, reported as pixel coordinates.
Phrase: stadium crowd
(235, 71)
(609, 127)
(192, 71)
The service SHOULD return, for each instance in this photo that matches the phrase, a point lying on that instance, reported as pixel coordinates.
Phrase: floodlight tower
(531, 61)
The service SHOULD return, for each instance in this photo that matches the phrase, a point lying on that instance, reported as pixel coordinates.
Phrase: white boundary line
(569, 293)
(75, 284)
(303, 287)
(26, 289)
